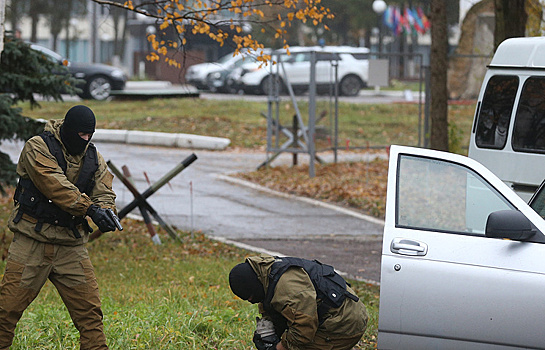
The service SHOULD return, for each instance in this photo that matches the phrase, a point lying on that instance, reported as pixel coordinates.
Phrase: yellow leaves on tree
(209, 17)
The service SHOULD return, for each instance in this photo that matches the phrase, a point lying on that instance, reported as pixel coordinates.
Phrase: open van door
(461, 260)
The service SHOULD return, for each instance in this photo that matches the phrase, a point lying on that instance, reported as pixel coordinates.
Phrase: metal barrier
(301, 138)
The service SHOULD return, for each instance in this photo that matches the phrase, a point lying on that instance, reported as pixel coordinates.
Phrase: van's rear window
(529, 130)
(495, 113)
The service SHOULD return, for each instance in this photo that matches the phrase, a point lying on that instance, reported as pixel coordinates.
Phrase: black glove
(101, 218)
(265, 343)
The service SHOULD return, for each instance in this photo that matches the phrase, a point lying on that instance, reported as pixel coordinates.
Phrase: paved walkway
(203, 197)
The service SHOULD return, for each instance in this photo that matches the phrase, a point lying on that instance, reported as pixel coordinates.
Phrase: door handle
(405, 246)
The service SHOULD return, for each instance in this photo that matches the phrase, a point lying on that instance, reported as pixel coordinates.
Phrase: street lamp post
(379, 6)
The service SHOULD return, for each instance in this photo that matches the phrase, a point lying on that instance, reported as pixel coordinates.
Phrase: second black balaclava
(245, 284)
(78, 119)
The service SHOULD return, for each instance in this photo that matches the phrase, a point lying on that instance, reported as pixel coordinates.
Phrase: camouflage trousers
(320, 343)
(30, 264)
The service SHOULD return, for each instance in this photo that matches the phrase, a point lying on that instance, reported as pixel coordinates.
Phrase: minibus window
(529, 130)
(496, 109)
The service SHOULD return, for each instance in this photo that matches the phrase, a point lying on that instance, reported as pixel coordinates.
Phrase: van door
(445, 283)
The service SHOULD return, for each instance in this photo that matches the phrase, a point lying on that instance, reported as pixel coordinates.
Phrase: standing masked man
(62, 179)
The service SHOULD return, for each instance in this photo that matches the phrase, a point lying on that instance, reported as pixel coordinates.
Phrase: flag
(408, 22)
(398, 22)
(410, 18)
(418, 22)
(424, 19)
(388, 18)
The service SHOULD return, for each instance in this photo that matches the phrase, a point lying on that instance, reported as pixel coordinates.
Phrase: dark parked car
(99, 79)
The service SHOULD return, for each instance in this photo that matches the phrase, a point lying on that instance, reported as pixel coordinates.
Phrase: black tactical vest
(330, 286)
(33, 203)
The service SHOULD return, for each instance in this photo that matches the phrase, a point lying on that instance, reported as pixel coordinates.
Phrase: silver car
(462, 260)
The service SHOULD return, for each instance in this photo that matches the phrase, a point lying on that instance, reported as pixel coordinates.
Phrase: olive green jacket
(40, 166)
(295, 299)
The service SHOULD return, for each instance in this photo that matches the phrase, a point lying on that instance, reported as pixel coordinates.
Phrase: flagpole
(379, 6)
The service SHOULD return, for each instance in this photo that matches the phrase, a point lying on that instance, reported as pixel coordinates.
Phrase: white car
(353, 70)
(197, 74)
(462, 257)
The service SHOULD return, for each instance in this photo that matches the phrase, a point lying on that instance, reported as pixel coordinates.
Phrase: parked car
(508, 135)
(197, 74)
(99, 80)
(222, 80)
(294, 69)
(461, 259)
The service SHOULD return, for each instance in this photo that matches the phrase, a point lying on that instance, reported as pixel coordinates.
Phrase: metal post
(145, 215)
(312, 113)
(94, 30)
(269, 118)
(420, 101)
(276, 84)
(336, 138)
(295, 139)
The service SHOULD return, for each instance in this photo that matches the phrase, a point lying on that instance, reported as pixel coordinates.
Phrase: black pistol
(115, 219)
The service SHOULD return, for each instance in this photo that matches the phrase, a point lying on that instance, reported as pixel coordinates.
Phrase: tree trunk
(2, 20)
(438, 82)
(120, 31)
(34, 27)
(511, 20)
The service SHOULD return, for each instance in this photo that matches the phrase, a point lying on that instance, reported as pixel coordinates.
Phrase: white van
(508, 133)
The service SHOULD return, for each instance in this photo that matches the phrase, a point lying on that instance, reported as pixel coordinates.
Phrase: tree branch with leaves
(224, 21)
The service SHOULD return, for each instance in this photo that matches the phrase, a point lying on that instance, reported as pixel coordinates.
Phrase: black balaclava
(245, 284)
(78, 119)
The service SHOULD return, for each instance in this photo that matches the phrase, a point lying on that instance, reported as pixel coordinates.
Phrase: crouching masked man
(304, 304)
(62, 179)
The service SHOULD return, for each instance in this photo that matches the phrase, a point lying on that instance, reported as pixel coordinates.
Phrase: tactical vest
(330, 286)
(33, 203)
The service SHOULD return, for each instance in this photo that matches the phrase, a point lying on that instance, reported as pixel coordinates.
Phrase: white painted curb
(149, 138)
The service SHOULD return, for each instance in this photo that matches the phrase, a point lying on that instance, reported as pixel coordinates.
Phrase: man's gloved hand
(101, 218)
(265, 337)
(265, 343)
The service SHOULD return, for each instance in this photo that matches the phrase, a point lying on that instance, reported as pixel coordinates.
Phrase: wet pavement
(203, 197)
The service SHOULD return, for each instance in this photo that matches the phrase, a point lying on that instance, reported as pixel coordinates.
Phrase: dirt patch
(358, 258)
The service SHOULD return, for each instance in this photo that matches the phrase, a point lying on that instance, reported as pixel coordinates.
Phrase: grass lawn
(176, 296)
(172, 296)
(241, 121)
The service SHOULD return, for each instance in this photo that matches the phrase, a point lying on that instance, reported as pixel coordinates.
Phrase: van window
(529, 130)
(495, 113)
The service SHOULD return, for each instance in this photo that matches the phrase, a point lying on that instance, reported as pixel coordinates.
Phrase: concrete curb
(302, 199)
(150, 138)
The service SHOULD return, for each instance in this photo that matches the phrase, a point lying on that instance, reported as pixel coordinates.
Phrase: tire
(97, 88)
(350, 86)
(265, 85)
(230, 86)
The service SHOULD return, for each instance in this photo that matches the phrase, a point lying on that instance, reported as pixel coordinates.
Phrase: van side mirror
(511, 224)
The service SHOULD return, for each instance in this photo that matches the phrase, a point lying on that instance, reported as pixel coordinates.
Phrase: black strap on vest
(33, 203)
(85, 182)
(330, 286)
